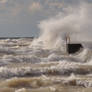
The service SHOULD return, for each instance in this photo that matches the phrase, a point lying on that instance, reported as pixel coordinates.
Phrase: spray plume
(77, 24)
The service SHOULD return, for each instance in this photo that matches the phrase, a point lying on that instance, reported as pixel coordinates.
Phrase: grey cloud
(16, 15)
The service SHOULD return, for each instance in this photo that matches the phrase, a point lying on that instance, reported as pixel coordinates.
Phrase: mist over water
(76, 23)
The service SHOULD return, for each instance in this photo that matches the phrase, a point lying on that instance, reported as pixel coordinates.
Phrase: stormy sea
(28, 66)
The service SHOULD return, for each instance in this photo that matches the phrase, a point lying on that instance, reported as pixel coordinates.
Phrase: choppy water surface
(26, 68)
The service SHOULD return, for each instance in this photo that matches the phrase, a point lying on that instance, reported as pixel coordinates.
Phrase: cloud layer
(3, 1)
(35, 6)
(20, 15)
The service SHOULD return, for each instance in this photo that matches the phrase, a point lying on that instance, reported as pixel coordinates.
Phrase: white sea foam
(50, 46)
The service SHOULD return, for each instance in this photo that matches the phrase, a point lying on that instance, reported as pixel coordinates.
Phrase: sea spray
(44, 66)
(76, 24)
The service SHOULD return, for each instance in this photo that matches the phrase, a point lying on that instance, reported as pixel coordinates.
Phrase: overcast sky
(21, 17)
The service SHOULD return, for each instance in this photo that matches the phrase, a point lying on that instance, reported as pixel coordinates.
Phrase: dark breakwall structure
(73, 48)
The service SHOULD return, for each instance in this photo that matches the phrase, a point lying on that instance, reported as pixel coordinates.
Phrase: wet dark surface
(73, 48)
